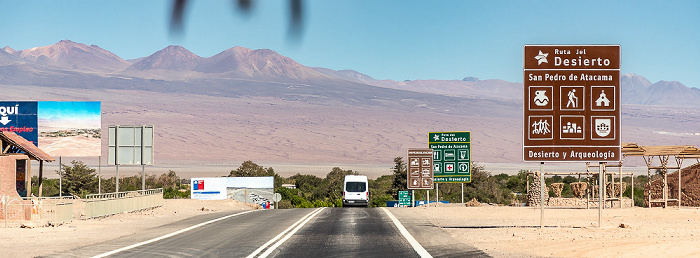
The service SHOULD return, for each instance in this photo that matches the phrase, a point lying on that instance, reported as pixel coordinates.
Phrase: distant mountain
(671, 94)
(638, 90)
(8, 50)
(240, 62)
(350, 75)
(6, 58)
(175, 63)
(633, 88)
(74, 56)
(175, 58)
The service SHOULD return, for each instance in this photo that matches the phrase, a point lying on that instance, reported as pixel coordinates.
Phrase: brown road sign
(571, 103)
(420, 169)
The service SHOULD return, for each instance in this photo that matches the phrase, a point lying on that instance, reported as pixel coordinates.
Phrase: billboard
(20, 117)
(70, 128)
(130, 145)
(59, 128)
(243, 189)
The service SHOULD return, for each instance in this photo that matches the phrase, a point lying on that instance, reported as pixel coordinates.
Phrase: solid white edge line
(416, 246)
(272, 248)
(168, 235)
(262, 247)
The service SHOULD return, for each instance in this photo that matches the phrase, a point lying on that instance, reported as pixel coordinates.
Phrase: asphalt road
(327, 232)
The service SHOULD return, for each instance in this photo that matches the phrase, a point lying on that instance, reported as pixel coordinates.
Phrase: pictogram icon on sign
(541, 58)
(603, 98)
(541, 97)
(602, 127)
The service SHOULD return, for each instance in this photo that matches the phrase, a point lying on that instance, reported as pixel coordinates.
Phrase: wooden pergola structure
(664, 154)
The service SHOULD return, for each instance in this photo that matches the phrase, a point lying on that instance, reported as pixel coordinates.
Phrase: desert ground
(497, 230)
(515, 231)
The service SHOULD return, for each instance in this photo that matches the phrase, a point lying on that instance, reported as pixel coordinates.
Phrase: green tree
(380, 190)
(79, 179)
(400, 177)
(335, 180)
(250, 169)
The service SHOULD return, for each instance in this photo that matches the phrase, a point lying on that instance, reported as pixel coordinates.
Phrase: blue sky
(69, 110)
(396, 40)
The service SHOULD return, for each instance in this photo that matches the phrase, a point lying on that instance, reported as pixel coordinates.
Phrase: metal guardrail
(43, 210)
(100, 205)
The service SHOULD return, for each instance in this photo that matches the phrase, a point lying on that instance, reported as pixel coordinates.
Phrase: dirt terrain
(515, 231)
(32, 242)
(499, 231)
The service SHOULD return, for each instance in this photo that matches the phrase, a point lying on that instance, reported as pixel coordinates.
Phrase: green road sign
(404, 198)
(451, 156)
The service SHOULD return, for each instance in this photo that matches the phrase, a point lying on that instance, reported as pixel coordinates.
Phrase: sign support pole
(437, 193)
(99, 174)
(427, 196)
(601, 194)
(143, 177)
(116, 190)
(413, 198)
(143, 164)
(542, 194)
(462, 184)
(60, 177)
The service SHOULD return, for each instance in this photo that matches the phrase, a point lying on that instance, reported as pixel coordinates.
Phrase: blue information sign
(20, 117)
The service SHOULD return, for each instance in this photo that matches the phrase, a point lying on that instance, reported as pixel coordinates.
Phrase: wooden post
(542, 188)
(621, 190)
(41, 177)
(29, 176)
(679, 187)
(601, 193)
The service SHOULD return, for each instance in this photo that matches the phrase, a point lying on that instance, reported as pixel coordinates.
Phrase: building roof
(13, 143)
(633, 149)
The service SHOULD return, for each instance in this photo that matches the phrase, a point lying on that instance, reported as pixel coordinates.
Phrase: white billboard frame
(130, 145)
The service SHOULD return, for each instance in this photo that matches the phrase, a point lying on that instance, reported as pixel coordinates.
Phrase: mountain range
(244, 104)
(177, 63)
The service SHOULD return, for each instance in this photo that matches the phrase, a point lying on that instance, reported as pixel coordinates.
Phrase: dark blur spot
(296, 22)
(296, 9)
(176, 19)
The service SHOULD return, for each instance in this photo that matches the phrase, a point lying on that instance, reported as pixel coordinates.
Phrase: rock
(28, 225)
(473, 203)
(557, 188)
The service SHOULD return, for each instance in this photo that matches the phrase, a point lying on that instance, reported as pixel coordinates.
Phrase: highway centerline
(293, 228)
(416, 246)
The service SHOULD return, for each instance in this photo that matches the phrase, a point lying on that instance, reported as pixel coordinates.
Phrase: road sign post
(451, 156)
(404, 199)
(571, 103)
(571, 107)
(420, 173)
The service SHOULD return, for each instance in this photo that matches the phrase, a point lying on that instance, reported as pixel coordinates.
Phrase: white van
(355, 191)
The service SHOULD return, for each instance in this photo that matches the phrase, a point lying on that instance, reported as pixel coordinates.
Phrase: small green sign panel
(451, 156)
(404, 198)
